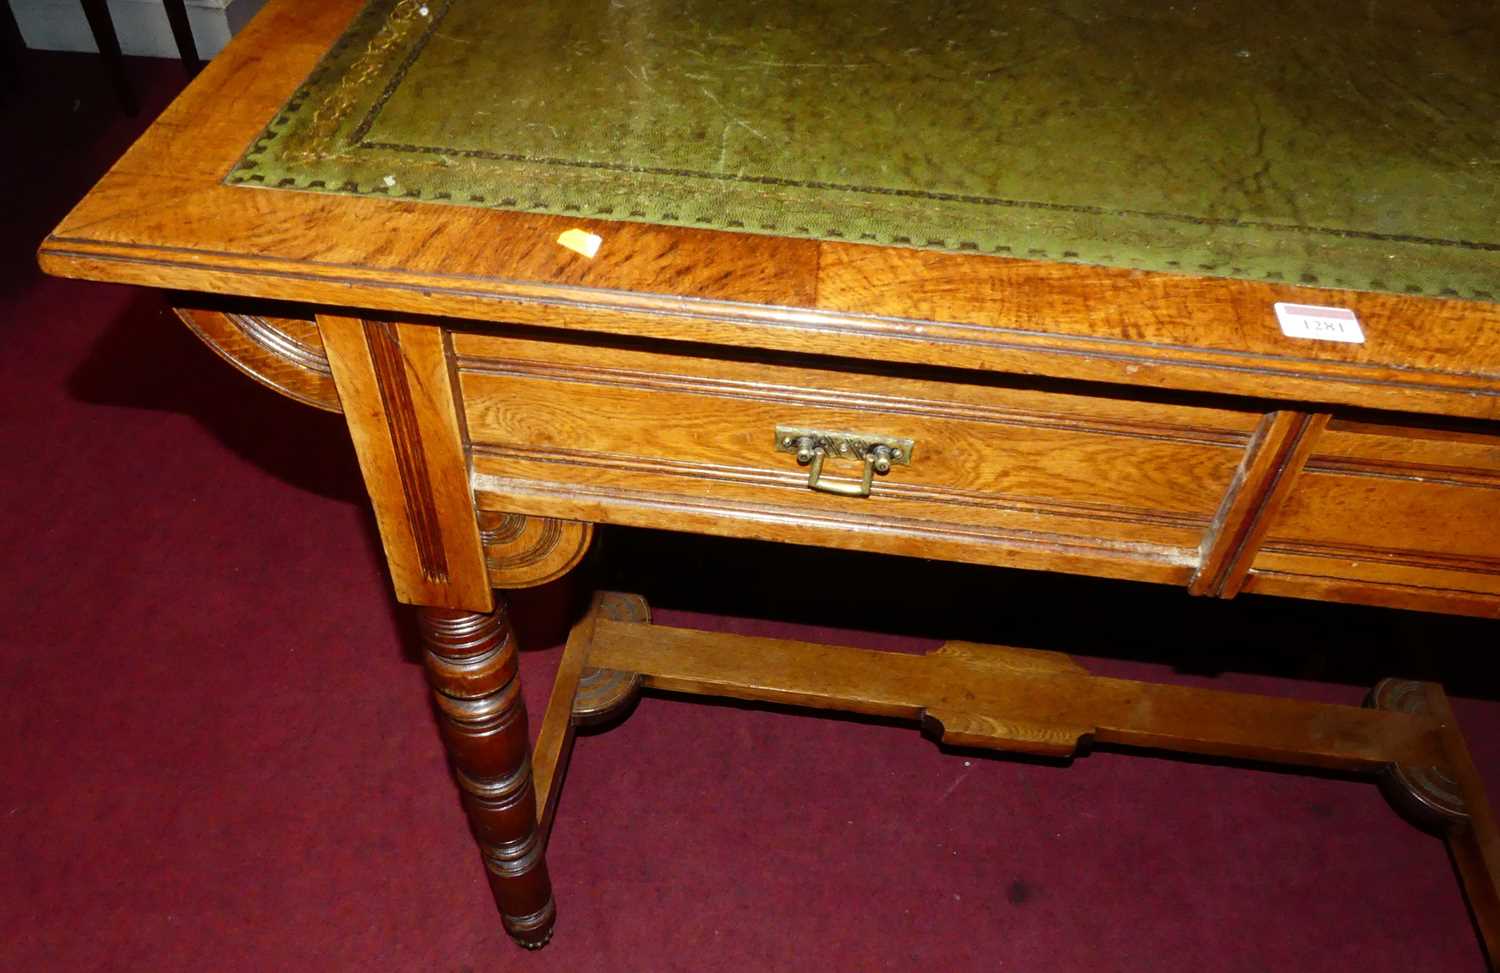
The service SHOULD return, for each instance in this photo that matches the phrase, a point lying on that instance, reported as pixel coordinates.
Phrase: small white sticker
(1319, 323)
(580, 241)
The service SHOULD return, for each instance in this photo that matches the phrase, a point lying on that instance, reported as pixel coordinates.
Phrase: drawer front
(1392, 516)
(652, 437)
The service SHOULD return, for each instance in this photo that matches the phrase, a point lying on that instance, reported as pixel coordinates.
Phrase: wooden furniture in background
(102, 26)
(12, 45)
(182, 35)
(505, 394)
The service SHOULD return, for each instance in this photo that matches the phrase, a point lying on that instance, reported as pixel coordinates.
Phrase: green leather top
(1350, 143)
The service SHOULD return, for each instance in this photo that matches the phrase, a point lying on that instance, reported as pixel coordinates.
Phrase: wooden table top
(1342, 144)
(171, 214)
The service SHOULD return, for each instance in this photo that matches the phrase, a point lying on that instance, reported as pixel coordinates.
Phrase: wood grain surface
(285, 354)
(522, 552)
(650, 435)
(397, 397)
(163, 217)
(1271, 465)
(1009, 699)
(1389, 509)
(504, 394)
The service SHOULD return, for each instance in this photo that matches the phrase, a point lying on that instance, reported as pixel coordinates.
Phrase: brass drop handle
(860, 489)
(877, 453)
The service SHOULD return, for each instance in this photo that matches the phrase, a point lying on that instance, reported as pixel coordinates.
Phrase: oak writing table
(1205, 298)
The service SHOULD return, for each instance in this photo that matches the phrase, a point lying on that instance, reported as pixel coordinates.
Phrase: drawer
(1391, 515)
(671, 436)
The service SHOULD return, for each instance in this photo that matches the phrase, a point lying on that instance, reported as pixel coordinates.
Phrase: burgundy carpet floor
(216, 751)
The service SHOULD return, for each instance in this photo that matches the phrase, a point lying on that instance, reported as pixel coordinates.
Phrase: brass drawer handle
(813, 446)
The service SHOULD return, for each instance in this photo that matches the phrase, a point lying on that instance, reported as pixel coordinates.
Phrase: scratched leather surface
(1351, 143)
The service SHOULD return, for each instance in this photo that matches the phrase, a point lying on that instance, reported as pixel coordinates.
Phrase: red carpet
(216, 752)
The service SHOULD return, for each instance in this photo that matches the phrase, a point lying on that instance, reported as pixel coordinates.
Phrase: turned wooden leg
(471, 664)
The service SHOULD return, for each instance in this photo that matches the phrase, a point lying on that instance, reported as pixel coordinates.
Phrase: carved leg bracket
(1448, 798)
(1425, 793)
(471, 665)
(581, 696)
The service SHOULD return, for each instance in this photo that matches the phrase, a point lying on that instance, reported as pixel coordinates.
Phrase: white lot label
(1319, 323)
(580, 241)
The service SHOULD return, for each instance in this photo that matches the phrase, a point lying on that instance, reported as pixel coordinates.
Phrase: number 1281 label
(1319, 323)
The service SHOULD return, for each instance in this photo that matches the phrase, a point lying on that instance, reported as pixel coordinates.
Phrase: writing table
(1203, 298)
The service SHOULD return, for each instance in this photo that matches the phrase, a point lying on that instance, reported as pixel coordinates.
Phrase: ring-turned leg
(471, 664)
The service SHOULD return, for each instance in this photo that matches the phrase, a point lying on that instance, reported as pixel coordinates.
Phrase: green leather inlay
(1348, 143)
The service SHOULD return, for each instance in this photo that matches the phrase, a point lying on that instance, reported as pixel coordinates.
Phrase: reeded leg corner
(470, 660)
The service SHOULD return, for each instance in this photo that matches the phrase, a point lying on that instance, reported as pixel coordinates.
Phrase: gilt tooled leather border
(379, 13)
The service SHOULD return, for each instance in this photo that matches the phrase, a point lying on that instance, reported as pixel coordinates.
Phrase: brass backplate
(843, 445)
